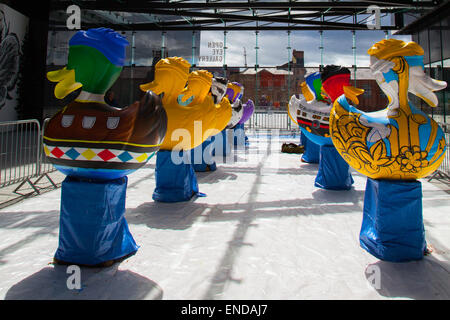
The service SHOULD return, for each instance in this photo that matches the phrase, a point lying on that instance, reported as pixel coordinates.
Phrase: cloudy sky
(272, 46)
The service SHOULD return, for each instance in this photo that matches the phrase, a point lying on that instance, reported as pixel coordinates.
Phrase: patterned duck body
(234, 93)
(249, 108)
(88, 138)
(400, 142)
(93, 139)
(311, 110)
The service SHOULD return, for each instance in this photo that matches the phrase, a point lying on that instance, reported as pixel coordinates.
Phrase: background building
(431, 29)
(154, 35)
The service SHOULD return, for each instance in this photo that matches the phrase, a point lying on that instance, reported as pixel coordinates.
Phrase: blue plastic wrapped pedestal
(240, 139)
(392, 227)
(93, 228)
(311, 153)
(222, 146)
(175, 178)
(202, 157)
(334, 172)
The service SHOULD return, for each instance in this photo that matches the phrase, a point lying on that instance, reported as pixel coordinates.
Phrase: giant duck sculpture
(222, 142)
(392, 147)
(202, 156)
(240, 138)
(312, 112)
(97, 146)
(195, 112)
(299, 111)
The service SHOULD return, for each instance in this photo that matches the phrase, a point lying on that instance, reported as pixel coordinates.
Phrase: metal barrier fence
(279, 119)
(22, 157)
(21, 154)
(271, 119)
(443, 171)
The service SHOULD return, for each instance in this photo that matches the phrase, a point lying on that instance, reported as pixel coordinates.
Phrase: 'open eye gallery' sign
(212, 53)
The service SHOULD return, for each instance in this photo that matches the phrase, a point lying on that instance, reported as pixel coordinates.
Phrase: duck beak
(306, 92)
(66, 82)
(151, 86)
(352, 93)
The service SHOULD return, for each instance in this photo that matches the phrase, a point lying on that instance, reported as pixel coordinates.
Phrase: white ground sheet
(263, 232)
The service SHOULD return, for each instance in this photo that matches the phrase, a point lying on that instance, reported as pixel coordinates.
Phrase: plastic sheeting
(93, 228)
(312, 150)
(222, 145)
(319, 140)
(240, 138)
(334, 172)
(392, 227)
(175, 178)
(202, 157)
(263, 222)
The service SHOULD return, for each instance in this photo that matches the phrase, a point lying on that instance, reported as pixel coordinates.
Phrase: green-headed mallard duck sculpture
(89, 138)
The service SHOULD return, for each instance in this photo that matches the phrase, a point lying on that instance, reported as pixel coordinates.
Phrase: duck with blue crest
(97, 146)
(89, 138)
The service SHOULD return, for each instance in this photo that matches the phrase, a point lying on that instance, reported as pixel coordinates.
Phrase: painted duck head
(234, 93)
(218, 89)
(336, 81)
(312, 87)
(398, 69)
(198, 86)
(96, 58)
(171, 75)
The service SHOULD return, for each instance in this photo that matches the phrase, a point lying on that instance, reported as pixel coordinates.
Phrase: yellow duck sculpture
(192, 111)
(399, 142)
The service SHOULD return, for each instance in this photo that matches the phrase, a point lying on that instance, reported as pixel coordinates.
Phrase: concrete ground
(263, 232)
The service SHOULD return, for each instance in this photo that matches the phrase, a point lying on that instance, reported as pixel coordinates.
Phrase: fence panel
(444, 168)
(21, 154)
(271, 119)
(279, 119)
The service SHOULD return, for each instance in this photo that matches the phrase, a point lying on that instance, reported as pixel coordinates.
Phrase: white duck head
(398, 69)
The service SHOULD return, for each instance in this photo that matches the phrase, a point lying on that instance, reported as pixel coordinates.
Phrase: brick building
(272, 86)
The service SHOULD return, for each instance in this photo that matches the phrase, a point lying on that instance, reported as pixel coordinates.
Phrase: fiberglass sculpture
(312, 111)
(399, 142)
(97, 146)
(308, 94)
(393, 147)
(240, 138)
(195, 112)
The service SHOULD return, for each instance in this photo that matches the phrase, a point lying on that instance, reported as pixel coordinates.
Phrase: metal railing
(443, 172)
(21, 154)
(279, 119)
(270, 119)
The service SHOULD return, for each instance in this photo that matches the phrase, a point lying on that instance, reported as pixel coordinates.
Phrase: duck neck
(89, 97)
(403, 83)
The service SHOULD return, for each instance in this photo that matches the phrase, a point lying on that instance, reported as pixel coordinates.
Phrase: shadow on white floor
(262, 232)
(50, 283)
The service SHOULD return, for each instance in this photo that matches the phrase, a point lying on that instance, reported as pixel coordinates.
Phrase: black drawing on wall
(9, 60)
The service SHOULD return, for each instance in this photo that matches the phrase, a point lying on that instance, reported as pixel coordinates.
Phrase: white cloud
(272, 46)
